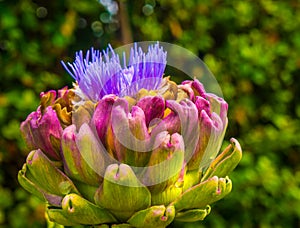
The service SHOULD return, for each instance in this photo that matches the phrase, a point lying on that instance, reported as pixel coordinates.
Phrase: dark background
(252, 48)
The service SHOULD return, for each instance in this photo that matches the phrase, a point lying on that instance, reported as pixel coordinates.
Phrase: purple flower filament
(99, 74)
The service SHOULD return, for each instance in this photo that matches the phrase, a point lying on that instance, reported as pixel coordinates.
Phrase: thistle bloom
(126, 146)
(99, 74)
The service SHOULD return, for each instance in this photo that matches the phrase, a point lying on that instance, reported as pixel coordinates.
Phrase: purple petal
(93, 153)
(218, 105)
(137, 123)
(131, 137)
(186, 87)
(102, 115)
(180, 116)
(166, 162)
(75, 165)
(153, 107)
(189, 123)
(43, 132)
(202, 104)
(26, 130)
(193, 88)
(215, 132)
(198, 87)
(209, 143)
(170, 123)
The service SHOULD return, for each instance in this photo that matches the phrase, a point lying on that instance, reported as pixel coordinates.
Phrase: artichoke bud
(202, 104)
(126, 146)
(131, 101)
(137, 124)
(155, 216)
(102, 121)
(122, 189)
(65, 98)
(181, 95)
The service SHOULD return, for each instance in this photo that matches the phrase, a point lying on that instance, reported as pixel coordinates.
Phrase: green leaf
(47, 176)
(29, 182)
(56, 215)
(155, 216)
(124, 225)
(87, 191)
(203, 194)
(167, 196)
(91, 151)
(225, 162)
(80, 211)
(122, 193)
(192, 215)
(80, 152)
(165, 163)
(51, 224)
(191, 178)
(28, 185)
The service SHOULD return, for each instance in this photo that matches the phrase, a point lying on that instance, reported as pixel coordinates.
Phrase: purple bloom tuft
(99, 74)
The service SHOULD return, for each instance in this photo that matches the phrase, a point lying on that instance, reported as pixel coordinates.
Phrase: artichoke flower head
(126, 146)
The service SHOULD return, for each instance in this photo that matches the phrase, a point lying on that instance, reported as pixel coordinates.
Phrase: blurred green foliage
(252, 47)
